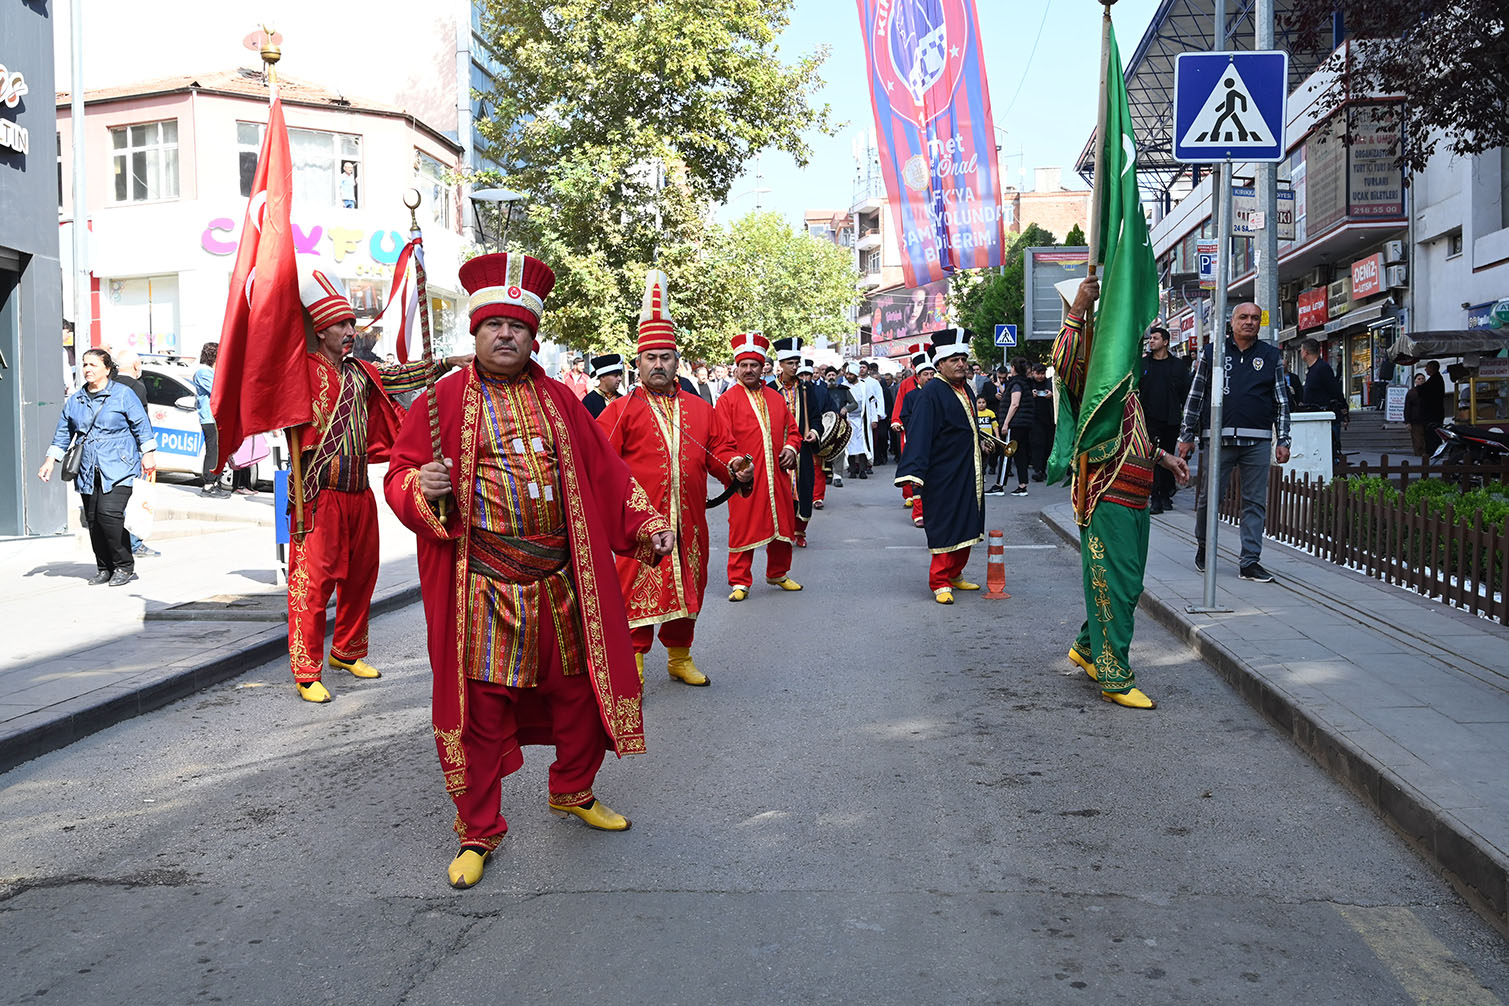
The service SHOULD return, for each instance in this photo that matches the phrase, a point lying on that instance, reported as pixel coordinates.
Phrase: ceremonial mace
(411, 200)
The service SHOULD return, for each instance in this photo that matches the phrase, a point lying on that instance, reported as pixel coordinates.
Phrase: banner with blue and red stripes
(936, 138)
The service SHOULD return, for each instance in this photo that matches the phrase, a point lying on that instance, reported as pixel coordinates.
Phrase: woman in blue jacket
(118, 447)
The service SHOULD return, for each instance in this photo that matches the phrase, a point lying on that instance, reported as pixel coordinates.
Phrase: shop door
(10, 395)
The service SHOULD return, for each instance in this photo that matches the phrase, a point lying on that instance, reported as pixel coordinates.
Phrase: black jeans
(105, 512)
(1165, 435)
(211, 452)
(1042, 447)
(1022, 459)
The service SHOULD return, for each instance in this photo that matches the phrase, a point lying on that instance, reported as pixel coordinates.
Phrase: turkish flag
(261, 382)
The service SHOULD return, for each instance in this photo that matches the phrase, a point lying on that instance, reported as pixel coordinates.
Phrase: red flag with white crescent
(261, 383)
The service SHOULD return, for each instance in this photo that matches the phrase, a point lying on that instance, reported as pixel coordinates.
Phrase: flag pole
(411, 199)
(1082, 482)
(271, 53)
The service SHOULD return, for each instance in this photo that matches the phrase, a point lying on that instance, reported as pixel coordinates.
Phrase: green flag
(1128, 288)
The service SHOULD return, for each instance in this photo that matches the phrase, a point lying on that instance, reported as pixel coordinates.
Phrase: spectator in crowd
(721, 382)
(128, 372)
(706, 389)
(1255, 412)
(1433, 400)
(1044, 422)
(204, 383)
(1017, 401)
(118, 447)
(1323, 391)
(1414, 417)
(1163, 388)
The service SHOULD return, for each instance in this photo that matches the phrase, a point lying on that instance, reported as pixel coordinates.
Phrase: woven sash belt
(524, 559)
(1133, 484)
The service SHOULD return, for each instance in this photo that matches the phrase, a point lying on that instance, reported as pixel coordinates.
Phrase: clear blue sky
(1043, 99)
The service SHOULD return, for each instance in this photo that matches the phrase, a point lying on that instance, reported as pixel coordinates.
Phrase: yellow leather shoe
(1132, 699)
(1078, 659)
(639, 663)
(360, 668)
(466, 869)
(963, 584)
(739, 594)
(596, 815)
(679, 663)
(943, 595)
(785, 583)
(906, 503)
(313, 691)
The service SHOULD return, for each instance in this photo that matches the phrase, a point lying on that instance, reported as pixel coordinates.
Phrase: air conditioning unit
(1397, 276)
(1393, 252)
(1339, 296)
(1317, 277)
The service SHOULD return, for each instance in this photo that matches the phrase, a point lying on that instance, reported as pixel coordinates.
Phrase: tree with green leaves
(622, 123)
(985, 299)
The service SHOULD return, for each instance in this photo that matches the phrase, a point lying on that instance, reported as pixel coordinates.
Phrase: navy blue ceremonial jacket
(942, 461)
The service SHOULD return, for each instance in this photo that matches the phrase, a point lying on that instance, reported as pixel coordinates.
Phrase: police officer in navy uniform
(1254, 413)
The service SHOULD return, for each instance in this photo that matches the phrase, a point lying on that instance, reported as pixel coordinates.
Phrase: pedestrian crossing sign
(1006, 336)
(1230, 106)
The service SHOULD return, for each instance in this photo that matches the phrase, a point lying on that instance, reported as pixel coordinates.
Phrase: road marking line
(1035, 548)
(1419, 962)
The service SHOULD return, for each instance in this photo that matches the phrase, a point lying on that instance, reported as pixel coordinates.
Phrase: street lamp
(505, 196)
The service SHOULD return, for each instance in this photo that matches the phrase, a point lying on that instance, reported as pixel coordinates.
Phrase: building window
(1504, 186)
(1453, 244)
(431, 178)
(327, 167)
(146, 161)
(872, 261)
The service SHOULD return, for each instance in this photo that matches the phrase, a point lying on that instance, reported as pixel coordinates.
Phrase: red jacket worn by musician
(355, 422)
(764, 429)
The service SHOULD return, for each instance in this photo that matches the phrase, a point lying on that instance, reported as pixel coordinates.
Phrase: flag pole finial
(271, 52)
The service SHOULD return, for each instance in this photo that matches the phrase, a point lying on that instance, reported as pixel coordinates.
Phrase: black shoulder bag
(73, 458)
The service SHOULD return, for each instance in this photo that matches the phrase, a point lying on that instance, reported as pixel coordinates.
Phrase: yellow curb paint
(1419, 962)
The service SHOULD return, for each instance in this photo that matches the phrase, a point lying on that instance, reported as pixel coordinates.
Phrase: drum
(835, 436)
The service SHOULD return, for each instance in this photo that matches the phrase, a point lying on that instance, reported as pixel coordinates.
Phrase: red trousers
(489, 738)
(819, 480)
(916, 502)
(906, 491)
(338, 555)
(777, 564)
(947, 567)
(676, 632)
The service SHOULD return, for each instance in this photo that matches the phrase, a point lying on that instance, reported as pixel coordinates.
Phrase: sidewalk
(1404, 700)
(86, 657)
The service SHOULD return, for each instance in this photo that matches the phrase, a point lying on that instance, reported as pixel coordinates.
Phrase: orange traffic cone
(995, 569)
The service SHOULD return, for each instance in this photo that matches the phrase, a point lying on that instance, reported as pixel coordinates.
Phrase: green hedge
(1435, 495)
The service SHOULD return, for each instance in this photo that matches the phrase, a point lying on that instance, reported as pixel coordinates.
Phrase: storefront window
(140, 313)
(145, 158)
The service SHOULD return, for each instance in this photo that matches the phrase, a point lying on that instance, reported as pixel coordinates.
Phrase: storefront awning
(1360, 316)
(1437, 345)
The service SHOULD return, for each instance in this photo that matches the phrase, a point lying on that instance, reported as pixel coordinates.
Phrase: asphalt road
(878, 800)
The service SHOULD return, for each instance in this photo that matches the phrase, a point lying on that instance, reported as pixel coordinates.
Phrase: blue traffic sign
(1230, 106)
(1006, 335)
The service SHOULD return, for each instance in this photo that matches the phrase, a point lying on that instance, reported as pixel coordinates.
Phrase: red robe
(909, 384)
(607, 512)
(383, 415)
(768, 513)
(673, 463)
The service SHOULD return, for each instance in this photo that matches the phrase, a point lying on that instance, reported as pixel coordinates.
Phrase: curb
(84, 716)
(1474, 869)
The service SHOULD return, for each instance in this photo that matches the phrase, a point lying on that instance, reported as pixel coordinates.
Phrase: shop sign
(1367, 276)
(1494, 366)
(1491, 314)
(12, 89)
(1187, 326)
(1312, 309)
(219, 237)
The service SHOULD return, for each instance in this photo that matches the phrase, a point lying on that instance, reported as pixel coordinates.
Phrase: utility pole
(83, 320)
(1265, 181)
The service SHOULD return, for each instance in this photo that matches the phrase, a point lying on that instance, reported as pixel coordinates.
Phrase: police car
(175, 419)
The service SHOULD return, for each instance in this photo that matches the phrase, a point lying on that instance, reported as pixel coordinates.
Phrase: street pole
(83, 319)
(1210, 468)
(1265, 180)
